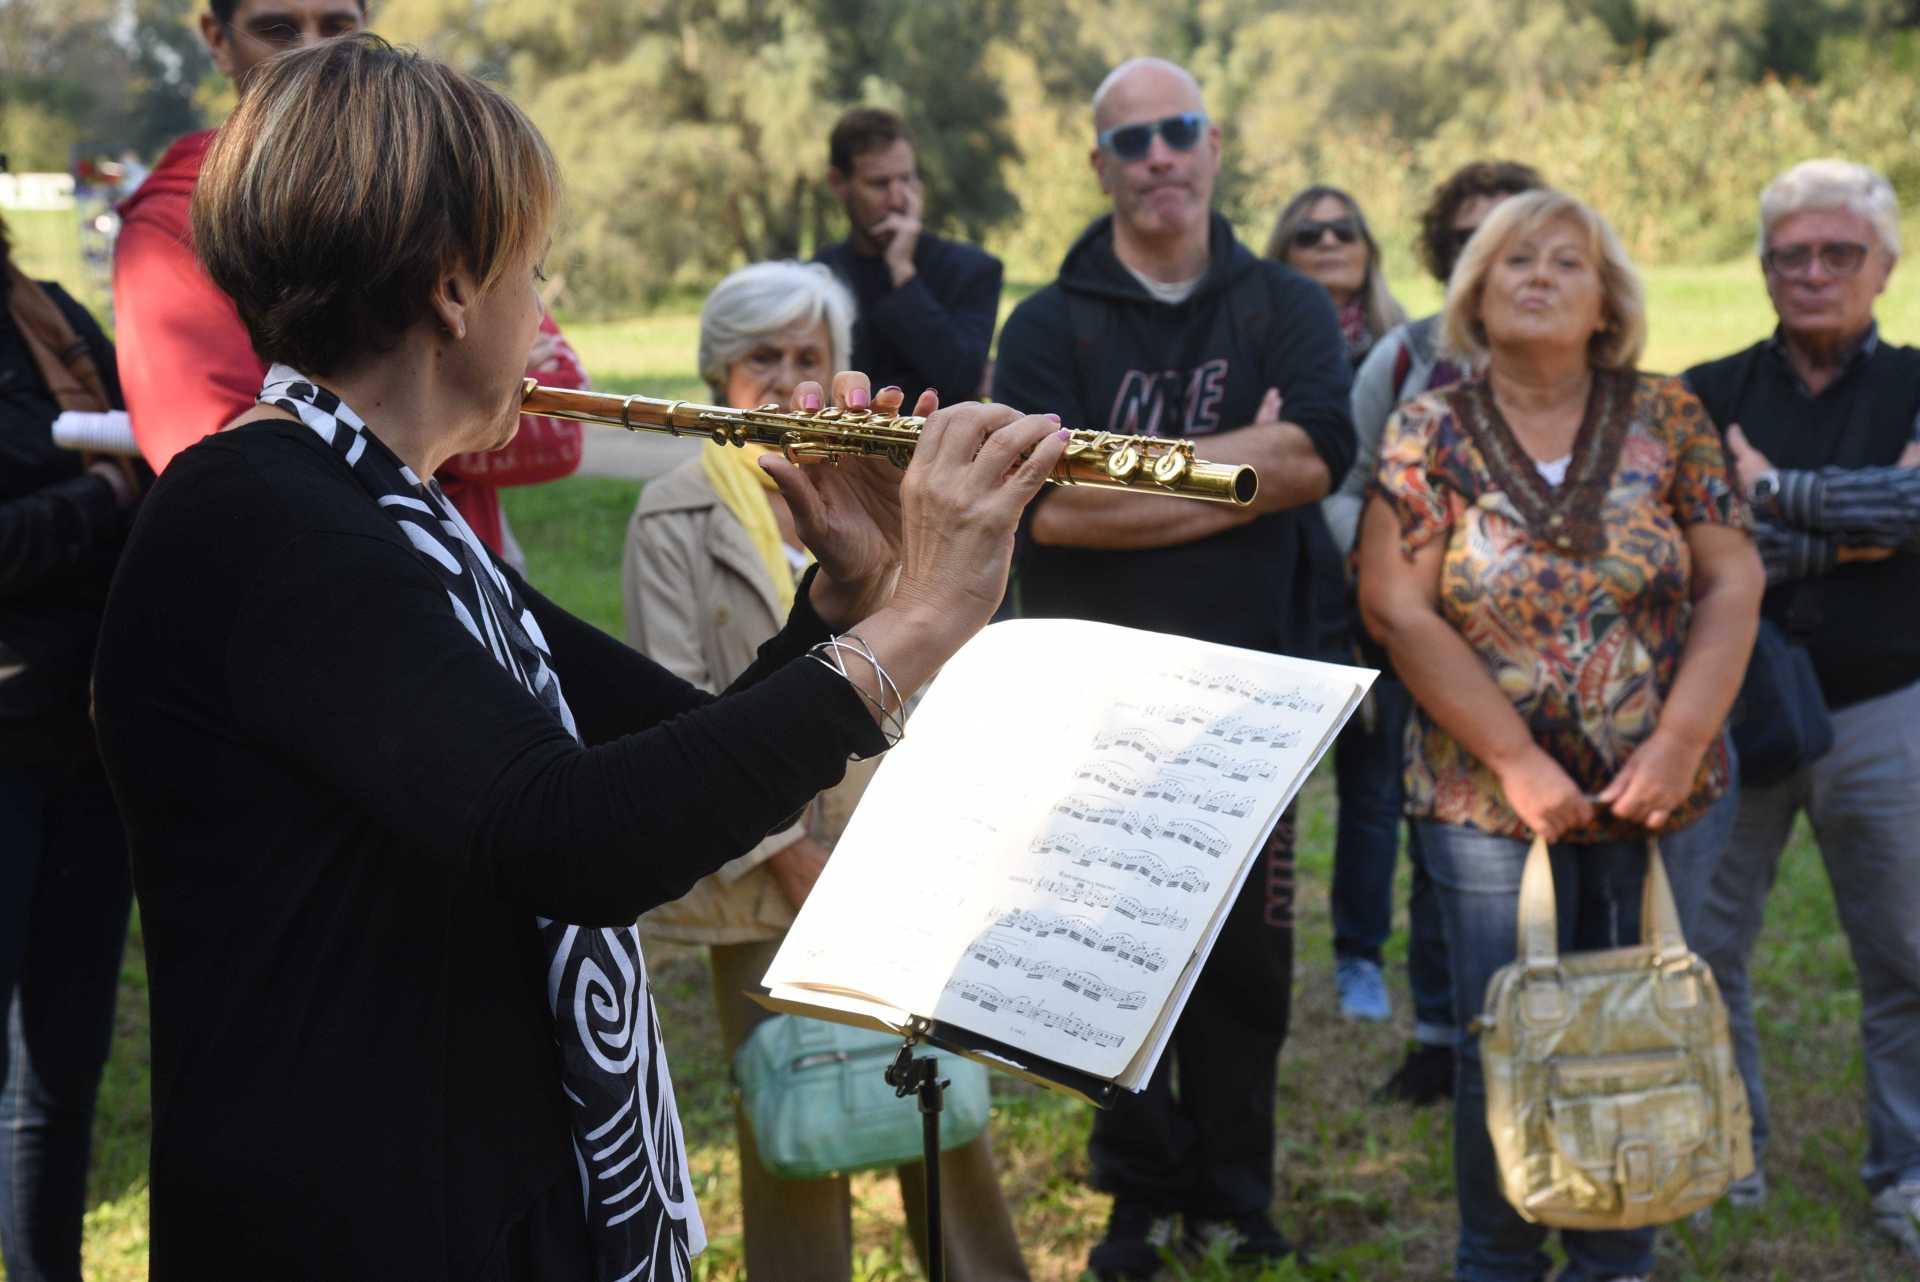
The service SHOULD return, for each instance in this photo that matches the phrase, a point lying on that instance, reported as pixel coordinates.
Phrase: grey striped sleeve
(1869, 505)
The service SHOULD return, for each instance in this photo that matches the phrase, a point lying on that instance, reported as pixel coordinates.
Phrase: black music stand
(910, 1074)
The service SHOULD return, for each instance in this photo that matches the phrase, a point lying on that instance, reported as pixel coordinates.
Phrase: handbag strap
(1659, 915)
(1538, 926)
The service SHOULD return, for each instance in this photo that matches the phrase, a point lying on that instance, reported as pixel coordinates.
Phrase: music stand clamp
(920, 1076)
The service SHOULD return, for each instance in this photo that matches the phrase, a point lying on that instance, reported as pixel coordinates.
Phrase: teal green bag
(816, 1096)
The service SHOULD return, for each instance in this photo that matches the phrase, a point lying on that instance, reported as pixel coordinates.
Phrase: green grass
(1368, 1189)
(573, 533)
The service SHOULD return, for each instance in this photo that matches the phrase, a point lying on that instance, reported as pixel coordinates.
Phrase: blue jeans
(1863, 800)
(1367, 766)
(64, 898)
(1597, 891)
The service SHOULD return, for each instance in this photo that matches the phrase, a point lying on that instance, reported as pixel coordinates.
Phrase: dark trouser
(802, 1230)
(1367, 765)
(1863, 800)
(64, 897)
(1205, 1147)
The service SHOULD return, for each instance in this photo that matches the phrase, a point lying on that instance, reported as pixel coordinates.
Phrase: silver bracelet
(831, 654)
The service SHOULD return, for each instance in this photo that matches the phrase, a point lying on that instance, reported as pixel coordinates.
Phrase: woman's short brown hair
(1623, 308)
(351, 177)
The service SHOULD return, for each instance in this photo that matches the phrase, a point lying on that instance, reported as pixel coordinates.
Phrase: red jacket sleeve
(544, 449)
(186, 363)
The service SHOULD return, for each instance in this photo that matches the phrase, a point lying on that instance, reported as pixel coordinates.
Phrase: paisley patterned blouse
(1576, 596)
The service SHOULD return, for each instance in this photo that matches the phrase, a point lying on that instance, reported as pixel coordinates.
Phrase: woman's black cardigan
(343, 818)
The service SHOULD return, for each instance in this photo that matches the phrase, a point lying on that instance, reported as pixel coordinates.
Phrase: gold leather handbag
(1613, 1100)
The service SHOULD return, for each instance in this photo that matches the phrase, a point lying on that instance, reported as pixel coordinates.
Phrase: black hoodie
(1097, 349)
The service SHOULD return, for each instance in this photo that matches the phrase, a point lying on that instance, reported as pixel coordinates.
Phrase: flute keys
(1124, 463)
(1171, 467)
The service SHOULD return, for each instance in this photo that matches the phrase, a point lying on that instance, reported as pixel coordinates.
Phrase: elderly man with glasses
(1822, 421)
(1162, 323)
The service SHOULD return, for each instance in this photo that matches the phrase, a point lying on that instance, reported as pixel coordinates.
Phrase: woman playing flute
(391, 812)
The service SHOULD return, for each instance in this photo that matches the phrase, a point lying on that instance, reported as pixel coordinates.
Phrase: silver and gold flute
(1142, 464)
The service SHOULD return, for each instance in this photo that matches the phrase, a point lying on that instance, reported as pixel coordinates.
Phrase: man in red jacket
(186, 363)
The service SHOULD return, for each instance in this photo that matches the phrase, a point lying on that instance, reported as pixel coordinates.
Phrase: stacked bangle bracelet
(832, 653)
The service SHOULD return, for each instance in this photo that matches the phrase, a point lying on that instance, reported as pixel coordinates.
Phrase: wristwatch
(1765, 486)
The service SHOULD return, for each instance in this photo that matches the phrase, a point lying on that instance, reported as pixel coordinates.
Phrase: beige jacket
(699, 602)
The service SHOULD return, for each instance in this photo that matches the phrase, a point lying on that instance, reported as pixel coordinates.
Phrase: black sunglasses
(1131, 142)
(1308, 234)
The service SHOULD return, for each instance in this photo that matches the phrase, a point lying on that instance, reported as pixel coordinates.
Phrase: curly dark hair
(1438, 249)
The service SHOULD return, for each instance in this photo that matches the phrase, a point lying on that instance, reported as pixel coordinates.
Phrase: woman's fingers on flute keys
(1021, 455)
(852, 390)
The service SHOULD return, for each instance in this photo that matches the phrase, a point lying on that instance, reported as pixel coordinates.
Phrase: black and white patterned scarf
(626, 1131)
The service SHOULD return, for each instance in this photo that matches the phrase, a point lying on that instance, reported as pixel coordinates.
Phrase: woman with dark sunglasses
(1322, 235)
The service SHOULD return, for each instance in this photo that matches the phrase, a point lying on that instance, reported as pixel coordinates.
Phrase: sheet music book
(1038, 871)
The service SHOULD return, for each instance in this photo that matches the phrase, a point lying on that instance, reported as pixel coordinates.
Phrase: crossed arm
(1827, 517)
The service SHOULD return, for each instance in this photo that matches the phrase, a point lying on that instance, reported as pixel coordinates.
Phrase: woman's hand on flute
(847, 513)
(919, 561)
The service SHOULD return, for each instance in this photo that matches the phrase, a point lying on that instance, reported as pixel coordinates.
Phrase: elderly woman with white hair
(1555, 558)
(712, 559)
(1820, 419)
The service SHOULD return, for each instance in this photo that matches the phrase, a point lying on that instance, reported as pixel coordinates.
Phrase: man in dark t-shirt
(1161, 323)
(927, 305)
(1821, 420)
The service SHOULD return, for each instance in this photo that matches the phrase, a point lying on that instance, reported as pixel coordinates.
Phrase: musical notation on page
(991, 999)
(1077, 980)
(1115, 943)
(1292, 698)
(1138, 863)
(1043, 924)
(1151, 827)
(1242, 768)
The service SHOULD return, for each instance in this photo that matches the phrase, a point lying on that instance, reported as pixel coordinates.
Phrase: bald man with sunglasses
(1162, 323)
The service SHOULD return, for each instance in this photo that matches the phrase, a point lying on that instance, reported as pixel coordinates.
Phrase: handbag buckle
(1678, 987)
(1633, 1168)
(1543, 996)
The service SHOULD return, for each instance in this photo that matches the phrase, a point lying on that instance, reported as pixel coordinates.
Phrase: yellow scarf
(734, 472)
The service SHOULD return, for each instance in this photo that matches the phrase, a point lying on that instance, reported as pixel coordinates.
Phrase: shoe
(1424, 1077)
(1136, 1238)
(1896, 1212)
(1749, 1191)
(1248, 1237)
(1363, 990)
(1745, 1193)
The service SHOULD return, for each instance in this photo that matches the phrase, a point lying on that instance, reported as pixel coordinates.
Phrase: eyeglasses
(1131, 142)
(1309, 234)
(1839, 257)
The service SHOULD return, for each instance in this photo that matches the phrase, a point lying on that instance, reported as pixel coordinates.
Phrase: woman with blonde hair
(1555, 558)
(713, 557)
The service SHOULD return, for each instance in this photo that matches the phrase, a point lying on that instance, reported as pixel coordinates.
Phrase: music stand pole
(909, 1075)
